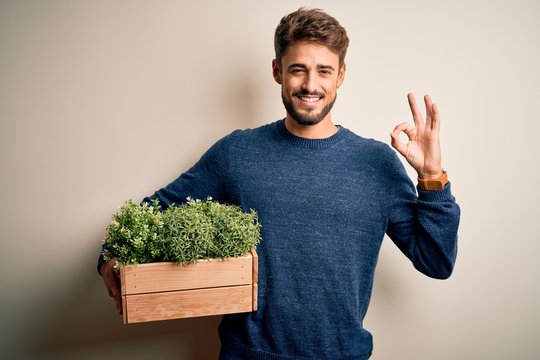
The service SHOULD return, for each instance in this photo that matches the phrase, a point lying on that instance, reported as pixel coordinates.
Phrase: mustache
(307, 93)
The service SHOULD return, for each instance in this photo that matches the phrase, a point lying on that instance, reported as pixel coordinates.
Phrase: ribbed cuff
(436, 195)
(100, 260)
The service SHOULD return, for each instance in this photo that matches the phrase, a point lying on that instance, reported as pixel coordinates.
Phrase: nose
(310, 83)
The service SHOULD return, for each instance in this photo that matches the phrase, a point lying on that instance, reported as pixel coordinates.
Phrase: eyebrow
(303, 66)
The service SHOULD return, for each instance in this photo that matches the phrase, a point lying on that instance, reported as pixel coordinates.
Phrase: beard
(309, 119)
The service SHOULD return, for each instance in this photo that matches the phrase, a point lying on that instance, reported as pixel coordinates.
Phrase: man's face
(309, 78)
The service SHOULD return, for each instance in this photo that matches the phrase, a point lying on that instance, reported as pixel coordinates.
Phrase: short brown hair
(310, 25)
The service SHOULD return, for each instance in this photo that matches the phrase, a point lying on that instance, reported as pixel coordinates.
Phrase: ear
(276, 72)
(341, 75)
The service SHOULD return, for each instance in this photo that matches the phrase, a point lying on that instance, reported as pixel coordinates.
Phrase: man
(325, 197)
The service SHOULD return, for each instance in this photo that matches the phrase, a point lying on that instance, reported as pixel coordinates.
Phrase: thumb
(397, 144)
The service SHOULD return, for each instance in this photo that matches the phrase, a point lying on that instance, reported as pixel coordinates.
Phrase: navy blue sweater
(324, 205)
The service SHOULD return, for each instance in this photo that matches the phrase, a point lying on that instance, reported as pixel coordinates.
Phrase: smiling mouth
(309, 99)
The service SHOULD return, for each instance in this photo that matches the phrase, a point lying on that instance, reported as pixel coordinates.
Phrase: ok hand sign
(423, 150)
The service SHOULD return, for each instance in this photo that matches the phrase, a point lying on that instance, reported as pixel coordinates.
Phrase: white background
(101, 101)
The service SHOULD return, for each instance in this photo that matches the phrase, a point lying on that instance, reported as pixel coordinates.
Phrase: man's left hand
(423, 150)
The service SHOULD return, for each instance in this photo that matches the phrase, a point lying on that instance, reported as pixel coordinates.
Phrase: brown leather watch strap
(434, 184)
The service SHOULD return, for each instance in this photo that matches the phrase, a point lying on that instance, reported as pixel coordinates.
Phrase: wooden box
(164, 291)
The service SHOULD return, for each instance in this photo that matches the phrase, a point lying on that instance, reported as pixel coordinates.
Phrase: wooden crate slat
(159, 277)
(255, 296)
(255, 265)
(187, 303)
(255, 278)
(124, 310)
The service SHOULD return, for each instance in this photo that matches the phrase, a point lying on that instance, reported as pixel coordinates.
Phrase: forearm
(436, 242)
(427, 232)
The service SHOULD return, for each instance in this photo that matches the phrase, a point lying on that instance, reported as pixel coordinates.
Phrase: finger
(117, 300)
(436, 121)
(119, 306)
(396, 141)
(417, 115)
(112, 285)
(117, 297)
(118, 294)
(407, 129)
(397, 144)
(108, 285)
(429, 113)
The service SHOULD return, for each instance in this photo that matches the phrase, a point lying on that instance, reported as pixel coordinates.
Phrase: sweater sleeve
(206, 178)
(424, 226)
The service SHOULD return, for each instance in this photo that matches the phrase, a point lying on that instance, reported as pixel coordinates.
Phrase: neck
(322, 130)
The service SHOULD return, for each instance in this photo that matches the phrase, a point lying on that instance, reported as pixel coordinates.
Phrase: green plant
(235, 232)
(199, 229)
(135, 234)
(189, 233)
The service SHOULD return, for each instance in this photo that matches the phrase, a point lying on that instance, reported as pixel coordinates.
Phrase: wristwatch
(434, 184)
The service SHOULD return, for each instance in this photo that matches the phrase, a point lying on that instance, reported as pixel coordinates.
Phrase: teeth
(309, 99)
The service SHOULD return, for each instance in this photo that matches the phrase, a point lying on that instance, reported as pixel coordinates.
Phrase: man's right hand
(111, 279)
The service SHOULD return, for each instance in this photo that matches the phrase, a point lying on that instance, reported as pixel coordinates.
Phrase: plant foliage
(199, 229)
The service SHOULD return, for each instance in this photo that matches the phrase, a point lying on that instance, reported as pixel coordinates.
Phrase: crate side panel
(188, 303)
(158, 277)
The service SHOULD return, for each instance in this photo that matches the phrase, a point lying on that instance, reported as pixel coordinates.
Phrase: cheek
(291, 85)
(331, 86)
(293, 82)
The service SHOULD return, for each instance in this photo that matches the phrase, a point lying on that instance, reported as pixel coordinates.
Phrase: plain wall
(101, 101)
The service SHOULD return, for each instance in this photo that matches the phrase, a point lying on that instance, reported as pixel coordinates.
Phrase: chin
(306, 120)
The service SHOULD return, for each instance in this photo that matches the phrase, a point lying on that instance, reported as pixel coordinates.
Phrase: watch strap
(434, 184)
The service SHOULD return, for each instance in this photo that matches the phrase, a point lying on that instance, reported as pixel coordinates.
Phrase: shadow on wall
(83, 323)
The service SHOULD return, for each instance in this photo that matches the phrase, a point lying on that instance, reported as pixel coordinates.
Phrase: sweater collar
(310, 143)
